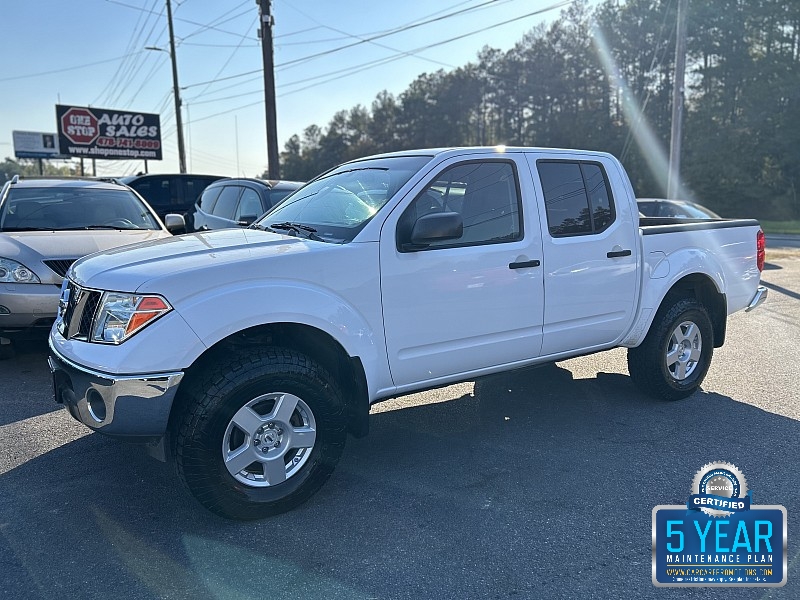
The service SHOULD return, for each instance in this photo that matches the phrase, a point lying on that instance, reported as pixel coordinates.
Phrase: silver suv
(47, 224)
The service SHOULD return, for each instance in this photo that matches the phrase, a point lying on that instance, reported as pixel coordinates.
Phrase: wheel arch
(306, 339)
(705, 290)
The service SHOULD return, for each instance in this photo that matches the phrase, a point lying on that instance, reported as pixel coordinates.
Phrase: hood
(198, 257)
(32, 247)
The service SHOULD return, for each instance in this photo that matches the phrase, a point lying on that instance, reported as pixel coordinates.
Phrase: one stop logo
(79, 126)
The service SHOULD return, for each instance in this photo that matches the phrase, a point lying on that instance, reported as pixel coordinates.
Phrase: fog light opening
(96, 406)
(4, 310)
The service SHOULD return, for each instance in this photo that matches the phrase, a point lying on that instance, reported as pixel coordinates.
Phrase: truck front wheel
(261, 433)
(674, 357)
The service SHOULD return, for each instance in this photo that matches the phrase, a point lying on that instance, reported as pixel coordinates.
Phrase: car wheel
(261, 433)
(674, 357)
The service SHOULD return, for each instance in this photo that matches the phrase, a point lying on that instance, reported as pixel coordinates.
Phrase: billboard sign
(108, 134)
(35, 144)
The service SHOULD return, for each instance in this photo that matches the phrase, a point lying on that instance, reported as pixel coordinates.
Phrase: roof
(67, 183)
(466, 150)
(275, 184)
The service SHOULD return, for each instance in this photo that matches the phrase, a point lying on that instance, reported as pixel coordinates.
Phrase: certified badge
(719, 489)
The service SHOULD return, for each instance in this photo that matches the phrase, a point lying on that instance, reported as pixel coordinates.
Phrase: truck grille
(77, 312)
(59, 267)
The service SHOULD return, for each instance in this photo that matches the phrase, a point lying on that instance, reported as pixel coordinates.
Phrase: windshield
(67, 208)
(340, 203)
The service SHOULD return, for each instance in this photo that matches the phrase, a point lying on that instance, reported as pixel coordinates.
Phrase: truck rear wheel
(673, 359)
(261, 433)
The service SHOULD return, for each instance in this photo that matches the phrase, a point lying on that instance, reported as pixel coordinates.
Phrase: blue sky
(43, 42)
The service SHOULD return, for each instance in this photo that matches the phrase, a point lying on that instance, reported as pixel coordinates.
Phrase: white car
(47, 224)
(249, 354)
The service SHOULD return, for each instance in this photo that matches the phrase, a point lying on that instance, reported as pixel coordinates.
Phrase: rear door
(471, 303)
(591, 274)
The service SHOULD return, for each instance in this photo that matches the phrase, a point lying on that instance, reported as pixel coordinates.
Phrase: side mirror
(174, 222)
(246, 221)
(437, 227)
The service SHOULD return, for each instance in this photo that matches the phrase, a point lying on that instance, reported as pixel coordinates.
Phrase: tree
(30, 168)
(741, 140)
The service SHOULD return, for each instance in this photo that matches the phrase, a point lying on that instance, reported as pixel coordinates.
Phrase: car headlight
(13, 272)
(119, 316)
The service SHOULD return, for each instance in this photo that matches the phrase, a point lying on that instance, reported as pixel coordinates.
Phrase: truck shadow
(533, 485)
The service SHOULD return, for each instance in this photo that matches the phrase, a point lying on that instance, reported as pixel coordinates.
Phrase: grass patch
(780, 226)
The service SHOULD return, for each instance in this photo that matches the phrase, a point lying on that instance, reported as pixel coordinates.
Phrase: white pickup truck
(248, 355)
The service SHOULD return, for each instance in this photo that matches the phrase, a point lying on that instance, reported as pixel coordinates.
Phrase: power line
(394, 31)
(379, 62)
(195, 44)
(132, 68)
(232, 54)
(74, 68)
(215, 22)
(132, 44)
(203, 26)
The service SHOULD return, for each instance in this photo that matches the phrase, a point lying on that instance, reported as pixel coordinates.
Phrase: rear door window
(577, 197)
(226, 204)
(208, 198)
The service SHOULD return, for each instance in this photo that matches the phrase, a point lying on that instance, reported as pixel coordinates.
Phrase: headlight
(13, 272)
(119, 316)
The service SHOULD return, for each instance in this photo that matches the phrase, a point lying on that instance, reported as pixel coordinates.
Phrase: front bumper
(130, 406)
(24, 305)
(758, 299)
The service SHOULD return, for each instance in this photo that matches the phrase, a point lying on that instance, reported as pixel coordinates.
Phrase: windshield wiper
(296, 228)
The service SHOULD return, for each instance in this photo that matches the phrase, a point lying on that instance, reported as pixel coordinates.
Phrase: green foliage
(741, 135)
(781, 227)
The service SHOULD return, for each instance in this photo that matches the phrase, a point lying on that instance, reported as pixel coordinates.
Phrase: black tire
(6, 350)
(212, 400)
(647, 363)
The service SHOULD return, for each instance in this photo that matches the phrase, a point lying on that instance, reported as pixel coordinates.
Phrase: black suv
(170, 193)
(237, 202)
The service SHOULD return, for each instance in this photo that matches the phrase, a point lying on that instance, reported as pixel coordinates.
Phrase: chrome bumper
(118, 405)
(758, 299)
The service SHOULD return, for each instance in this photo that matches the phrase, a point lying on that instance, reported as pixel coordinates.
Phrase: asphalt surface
(534, 484)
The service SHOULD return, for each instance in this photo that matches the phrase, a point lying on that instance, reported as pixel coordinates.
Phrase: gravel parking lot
(534, 484)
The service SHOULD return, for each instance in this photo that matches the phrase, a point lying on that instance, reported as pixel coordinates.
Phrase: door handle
(524, 264)
(618, 253)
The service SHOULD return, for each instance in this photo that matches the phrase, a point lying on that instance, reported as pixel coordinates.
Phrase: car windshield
(71, 208)
(337, 205)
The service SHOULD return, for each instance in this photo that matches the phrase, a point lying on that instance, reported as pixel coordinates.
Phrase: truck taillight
(761, 246)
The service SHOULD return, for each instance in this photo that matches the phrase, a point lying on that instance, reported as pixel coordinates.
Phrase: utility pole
(176, 92)
(273, 168)
(673, 184)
